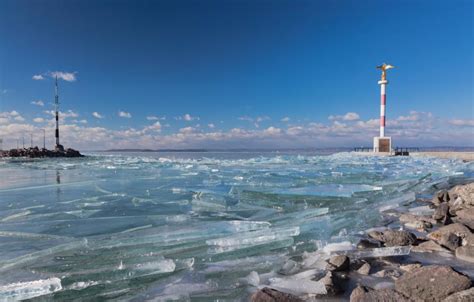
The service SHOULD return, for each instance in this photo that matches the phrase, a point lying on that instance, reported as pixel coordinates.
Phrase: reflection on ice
(169, 227)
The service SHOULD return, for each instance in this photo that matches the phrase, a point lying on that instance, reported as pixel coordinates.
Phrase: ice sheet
(191, 226)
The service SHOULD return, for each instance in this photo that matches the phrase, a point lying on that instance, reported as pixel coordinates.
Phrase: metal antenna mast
(56, 104)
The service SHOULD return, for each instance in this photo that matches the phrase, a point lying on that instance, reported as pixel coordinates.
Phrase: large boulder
(431, 283)
(364, 269)
(267, 294)
(442, 196)
(465, 253)
(461, 197)
(417, 222)
(394, 238)
(466, 217)
(457, 229)
(333, 283)
(429, 247)
(441, 213)
(365, 294)
(338, 263)
(462, 296)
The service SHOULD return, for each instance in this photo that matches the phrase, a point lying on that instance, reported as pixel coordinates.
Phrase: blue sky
(237, 73)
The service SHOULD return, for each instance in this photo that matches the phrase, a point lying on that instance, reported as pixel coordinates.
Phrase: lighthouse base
(382, 144)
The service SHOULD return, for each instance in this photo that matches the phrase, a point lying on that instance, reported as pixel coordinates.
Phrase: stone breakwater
(421, 260)
(35, 152)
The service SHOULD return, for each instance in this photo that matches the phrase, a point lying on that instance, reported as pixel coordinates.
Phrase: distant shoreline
(335, 149)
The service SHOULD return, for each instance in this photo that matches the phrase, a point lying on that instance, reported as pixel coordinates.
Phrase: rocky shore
(35, 152)
(429, 256)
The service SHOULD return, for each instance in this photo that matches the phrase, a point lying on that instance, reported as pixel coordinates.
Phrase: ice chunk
(252, 279)
(397, 201)
(422, 210)
(255, 237)
(381, 252)
(299, 287)
(28, 290)
(337, 247)
(162, 266)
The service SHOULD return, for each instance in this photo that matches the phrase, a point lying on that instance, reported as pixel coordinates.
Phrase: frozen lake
(183, 226)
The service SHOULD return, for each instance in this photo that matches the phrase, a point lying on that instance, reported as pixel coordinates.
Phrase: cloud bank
(413, 129)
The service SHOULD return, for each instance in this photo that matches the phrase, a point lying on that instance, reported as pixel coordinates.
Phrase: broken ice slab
(422, 210)
(301, 216)
(334, 190)
(8, 264)
(299, 287)
(255, 237)
(31, 289)
(248, 249)
(245, 263)
(397, 201)
(380, 252)
(337, 247)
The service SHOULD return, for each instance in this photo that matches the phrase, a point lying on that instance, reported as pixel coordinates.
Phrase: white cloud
(38, 120)
(79, 121)
(9, 117)
(19, 118)
(187, 130)
(155, 118)
(66, 76)
(272, 131)
(97, 115)
(285, 119)
(187, 117)
(256, 121)
(124, 114)
(462, 123)
(38, 77)
(211, 125)
(428, 130)
(38, 103)
(63, 115)
(349, 116)
(155, 127)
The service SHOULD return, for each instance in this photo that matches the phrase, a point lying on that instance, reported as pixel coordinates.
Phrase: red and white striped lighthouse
(383, 101)
(383, 143)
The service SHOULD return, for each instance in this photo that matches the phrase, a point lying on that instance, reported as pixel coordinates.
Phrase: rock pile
(35, 152)
(448, 230)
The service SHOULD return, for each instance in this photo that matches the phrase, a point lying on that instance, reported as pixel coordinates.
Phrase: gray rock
(466, 217)
(338, 263)
(462, 197)
(397, 238)
(450, 241)
(442, 196)
(431, 283)
(376, 235)
(457, 229)
(468, 240)
(441, 213)
(368, 244)
(333, 283)
(420, 223)
(388, 273)
(462, 296)
(365, 294)
(364, 269)
(410, 267)
(428, 247)
(465, 253)
(267, 294)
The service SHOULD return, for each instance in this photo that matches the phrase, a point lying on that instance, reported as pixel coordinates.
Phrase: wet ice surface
(198, 226)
